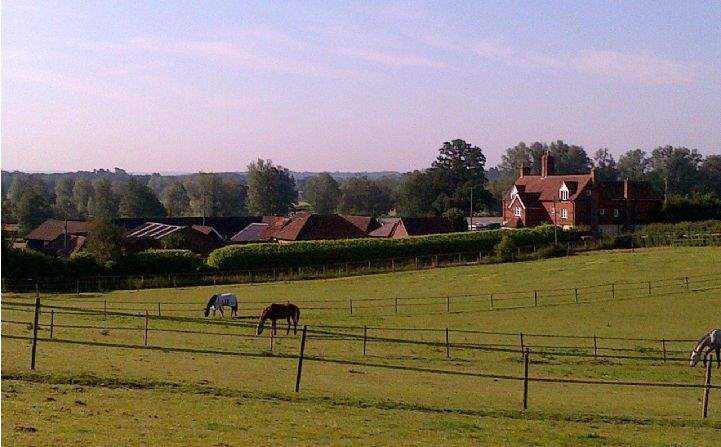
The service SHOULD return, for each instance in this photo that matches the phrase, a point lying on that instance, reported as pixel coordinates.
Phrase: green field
(196, 389)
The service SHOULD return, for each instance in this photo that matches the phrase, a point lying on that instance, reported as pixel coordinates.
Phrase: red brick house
(578, 201)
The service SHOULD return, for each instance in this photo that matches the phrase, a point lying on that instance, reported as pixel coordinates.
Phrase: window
(588, 192)
(517, 211)
(563, 192)
(601, 211)
(615, 213)
(564, 213)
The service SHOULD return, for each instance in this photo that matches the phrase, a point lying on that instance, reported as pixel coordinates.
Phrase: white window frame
(564, 213)
(563, 192)
(602, 211)
(517, 211)
(616, 212)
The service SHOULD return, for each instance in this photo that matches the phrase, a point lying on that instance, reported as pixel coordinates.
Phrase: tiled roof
(206, 230)
(255, 232)
(51, 229)
(385, 230)
(364, 223)
(307, 226)
(417, 226)
(547, 187)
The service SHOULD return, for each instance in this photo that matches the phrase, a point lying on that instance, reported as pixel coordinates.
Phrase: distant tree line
(455, 183)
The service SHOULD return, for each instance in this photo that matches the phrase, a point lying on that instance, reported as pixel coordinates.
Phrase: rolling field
(213, 382)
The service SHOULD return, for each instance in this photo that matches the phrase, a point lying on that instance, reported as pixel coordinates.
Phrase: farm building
(196, 238)
(577, 201)
(412, 226)
(308, 227)
(226, 227)
(59, 237)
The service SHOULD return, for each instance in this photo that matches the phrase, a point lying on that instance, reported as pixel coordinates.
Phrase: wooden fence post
(491, 296)
(522, 346)
(77, 287)
(300, 359)
(52, 321)
(158, 309)
(448, 304)
(595, 347)
(575, 294)
(145, 340)
(448, 345)
(613, 290)
(663, 348)
(707, 388)
(35, 332)
(272, 337)
(350, 305)
(649, 288)
(365, 338)
(525, 378)
(535, 297)
(396, 303)
(686, 283)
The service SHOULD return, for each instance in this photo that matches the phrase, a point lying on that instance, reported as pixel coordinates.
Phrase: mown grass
(374, 404)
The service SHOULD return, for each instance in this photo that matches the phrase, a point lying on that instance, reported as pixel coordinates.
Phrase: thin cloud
(391, 59)
(642, 68)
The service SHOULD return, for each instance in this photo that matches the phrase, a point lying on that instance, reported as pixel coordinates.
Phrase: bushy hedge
(26, 263)
(84, 264)
(660, 233)
(306, 253)
(153, 262)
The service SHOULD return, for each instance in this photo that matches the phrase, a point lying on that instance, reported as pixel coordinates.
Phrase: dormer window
(517, 211)
(563, 192)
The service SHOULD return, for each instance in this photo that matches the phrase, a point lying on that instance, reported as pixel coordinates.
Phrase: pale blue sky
(187, 86)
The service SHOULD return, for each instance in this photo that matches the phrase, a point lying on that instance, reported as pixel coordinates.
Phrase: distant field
(215, 396)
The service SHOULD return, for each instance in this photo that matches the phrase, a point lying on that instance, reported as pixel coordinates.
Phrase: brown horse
(276, 312)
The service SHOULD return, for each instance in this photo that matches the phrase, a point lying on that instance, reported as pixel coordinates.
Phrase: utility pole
(555, 220)
(471, 224)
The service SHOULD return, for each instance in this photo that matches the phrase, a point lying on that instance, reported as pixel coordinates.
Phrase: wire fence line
(329, 270)
(493, 299)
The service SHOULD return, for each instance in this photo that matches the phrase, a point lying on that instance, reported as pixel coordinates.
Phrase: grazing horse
(276, 312)
(710, 342)
(217, 302)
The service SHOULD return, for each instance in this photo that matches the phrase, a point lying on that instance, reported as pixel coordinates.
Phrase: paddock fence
(427, 304)
(99, 284)
(523, 345)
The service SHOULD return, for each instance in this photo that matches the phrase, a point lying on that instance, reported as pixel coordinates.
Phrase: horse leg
(234, 311)
(295, 324)
(221, 312)
(275, 329)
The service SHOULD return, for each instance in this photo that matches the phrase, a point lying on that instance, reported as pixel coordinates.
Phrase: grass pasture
(101, 386)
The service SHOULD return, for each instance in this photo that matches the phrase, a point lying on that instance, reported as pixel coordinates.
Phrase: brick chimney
(547, 167)
(525, 170)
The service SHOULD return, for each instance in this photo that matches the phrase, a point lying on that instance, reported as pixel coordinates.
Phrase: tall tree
(104, 202)
(29, 202)
(569, 159)
(137, 200)
(105, 240)
(271, 189)
(605, 165)
(176, 200)
(674, 170)
(463, 167)
(82, 195)
(521, 155)
(633, 165)
(323, 193)
(363, 196)
(211, 196)
(710, 171)
(64, 206)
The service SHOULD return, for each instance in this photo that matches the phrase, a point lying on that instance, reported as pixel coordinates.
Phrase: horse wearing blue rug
(217, 302)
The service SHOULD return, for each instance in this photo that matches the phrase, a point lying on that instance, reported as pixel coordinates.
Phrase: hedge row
(660, 233)
(24, 263)
(307, 253)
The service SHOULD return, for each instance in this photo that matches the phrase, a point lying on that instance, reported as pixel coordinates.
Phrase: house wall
(400, 231)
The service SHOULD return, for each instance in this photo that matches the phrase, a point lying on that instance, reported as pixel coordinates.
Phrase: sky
(190, 86)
